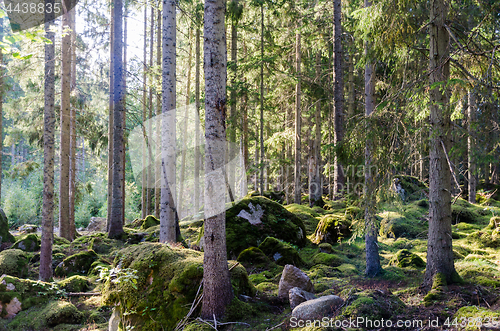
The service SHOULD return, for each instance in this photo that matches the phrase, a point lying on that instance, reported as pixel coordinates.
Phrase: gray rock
(97, 224)
(317, 308)
(11, 309)
(298, 295)
(293, 277)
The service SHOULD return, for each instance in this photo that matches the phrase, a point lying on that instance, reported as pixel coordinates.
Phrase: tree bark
(197, 154)
(64, 205)
(217, 290)
(110, 115)
(338, 95)
(439, 244)
(72, 129)
(167, 204)
(261, 165)
(298, 186)
(45, 271)
(117, 212)
(144, 176)
(232, 110)
(151, 171)
(315, 187)
(372, 255)
(471, 147)
(158, 122)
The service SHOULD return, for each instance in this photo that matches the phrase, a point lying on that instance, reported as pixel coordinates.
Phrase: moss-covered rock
(167, 280)
(75, 283)
(14, 262)
(28, 243)
(486, 238)
(253, 219)
(76, 264)
(101, 244)
(479, 271)
(331, 229)
(254, 258)
(5, 235)
(464, 212)
(327, 259)
(494, 223)
(395, 225)
(476, 314)
(149, 221)
(280, 252)
(414, 189)
(373, 305)
(309, 216)
(325, 248)
(406, 259)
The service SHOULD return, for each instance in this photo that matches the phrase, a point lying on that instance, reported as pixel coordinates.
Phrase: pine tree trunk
(64, 205)
(351, 92)
(261, 163)
(144, 177)
(315, 188)
(298, 186)
(45, 271)
(1, 105)
(158, 124)
(151, 171)
(184, 131)
(167, 204)
(124, 117)
(197, 154)
(217, 290)
(110, 115)
(72, 129)
(371, 231)
(338, 95)
(232, 110)
(439, 244)
(117, 212)
(471, 147)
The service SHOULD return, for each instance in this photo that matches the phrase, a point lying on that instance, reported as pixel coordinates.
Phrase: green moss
(437, 291)
(406, 259)
(479, 271)
(75, 283)
(14, 262)
(241, 282)
(327, 259)
(61, 241)
(197, 326)
(325, 248)
(414, 189)
(465, 213)
(280, 252)
(254, 258)
(276, 221)
(309, 216)
(28, 292)
(494, 223)
(104, 245)
(332, 229)
(238, 310)
(28, 243)
(485, 238)
(347, 269)
(336, 205)
(149, 221)
(475, 313)
(167, 282)
(372, 304)
(395, 225)
(267, 288)
(76, 264)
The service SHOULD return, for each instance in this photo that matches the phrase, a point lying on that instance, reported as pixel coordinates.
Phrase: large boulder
(5, 235)
(76, 264)
(373, 305)
(281, 253)
(297, 296)
(293, 277)
(157, 276)
(97, 224)
(409, 187)
(28, 243)
(318, 308)
(331, 229)
(406, 259)
(14, 262)
(253, 219)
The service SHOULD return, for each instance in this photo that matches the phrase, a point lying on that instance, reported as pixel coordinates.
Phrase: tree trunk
(298, 186)
(167, 204)
(151, 171)
(315, 188)
(197, 154)
(338, 95)
(117, 212)
(72, 130)
(217, 290)
(372, 256)
(110, 116)
(261, 163)
(232, 110)
(145, 166)
(45, 271)
(439, 244)
(157, 156)
(64, 222)
(1, 105)
(184, 131)
(471, 147)
(124, 117)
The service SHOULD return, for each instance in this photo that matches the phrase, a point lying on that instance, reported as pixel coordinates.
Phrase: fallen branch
(82, 294)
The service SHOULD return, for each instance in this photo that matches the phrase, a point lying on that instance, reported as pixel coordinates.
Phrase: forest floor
(336, 268)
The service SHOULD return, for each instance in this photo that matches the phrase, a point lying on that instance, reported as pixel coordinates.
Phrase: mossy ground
(334, 268)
